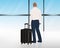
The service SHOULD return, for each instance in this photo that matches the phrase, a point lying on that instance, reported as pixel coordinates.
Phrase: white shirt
(35, 14)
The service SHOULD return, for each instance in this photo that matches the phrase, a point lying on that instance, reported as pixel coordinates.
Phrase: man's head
(34, 4)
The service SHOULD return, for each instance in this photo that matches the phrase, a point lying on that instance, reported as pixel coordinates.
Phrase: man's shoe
(40, 41)
(33, 41)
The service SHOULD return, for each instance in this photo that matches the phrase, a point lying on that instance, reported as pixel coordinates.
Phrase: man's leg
(33, 31)
(38, 31)
(39, 35)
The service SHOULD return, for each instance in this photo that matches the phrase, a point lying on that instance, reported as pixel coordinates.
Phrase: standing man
(35, 16)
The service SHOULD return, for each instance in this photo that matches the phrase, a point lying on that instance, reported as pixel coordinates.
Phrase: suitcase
(26, 34)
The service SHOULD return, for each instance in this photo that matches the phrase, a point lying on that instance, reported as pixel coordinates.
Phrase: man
(35, 16)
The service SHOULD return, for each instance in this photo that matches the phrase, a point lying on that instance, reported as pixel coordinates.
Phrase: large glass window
(19, 7)
(52, 23)
(52, 6)
(13, 6)
(12, 22)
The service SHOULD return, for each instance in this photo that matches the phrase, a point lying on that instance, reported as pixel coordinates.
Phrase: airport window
(50, 9)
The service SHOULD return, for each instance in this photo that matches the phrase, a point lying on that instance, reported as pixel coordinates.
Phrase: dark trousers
(35, 26)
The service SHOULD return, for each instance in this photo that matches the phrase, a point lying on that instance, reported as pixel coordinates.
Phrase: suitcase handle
(25, 25)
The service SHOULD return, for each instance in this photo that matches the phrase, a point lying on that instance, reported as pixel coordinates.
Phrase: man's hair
(34, 4)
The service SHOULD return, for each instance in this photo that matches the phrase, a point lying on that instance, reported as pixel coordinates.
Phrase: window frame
(29, 14)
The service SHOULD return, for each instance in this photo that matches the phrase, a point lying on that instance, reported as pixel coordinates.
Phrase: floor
(50, 40)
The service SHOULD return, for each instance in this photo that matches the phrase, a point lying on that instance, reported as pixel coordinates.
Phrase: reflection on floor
(50, 40)
(33, 45)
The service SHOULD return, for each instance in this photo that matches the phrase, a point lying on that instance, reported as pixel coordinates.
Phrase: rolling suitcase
(26, 36)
